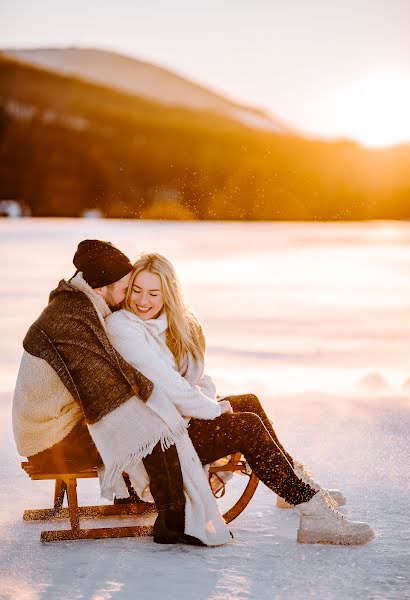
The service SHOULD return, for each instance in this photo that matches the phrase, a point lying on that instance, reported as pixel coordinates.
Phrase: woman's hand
(225, 407)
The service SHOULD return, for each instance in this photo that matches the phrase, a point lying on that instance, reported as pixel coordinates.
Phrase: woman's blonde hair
(184, 334)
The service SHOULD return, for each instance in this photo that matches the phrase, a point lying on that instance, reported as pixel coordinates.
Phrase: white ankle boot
(305, 475)
(320, 523)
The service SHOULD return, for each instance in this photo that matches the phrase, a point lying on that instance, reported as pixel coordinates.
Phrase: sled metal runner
(66, 488)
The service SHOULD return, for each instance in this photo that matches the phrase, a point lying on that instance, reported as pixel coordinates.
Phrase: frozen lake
(314, 318)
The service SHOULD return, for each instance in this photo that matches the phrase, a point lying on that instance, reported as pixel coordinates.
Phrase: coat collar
(100, 305)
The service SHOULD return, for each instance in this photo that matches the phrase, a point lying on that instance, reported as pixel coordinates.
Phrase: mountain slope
(144, 80)
(69, 145)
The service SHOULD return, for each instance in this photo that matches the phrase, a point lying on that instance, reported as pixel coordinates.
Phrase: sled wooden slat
(96, 534)
(240, 466)
(88, 512)
(60, 476)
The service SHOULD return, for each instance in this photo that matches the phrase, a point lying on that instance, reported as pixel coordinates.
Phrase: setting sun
(374, 110)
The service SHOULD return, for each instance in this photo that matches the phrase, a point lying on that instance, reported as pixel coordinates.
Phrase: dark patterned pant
(249, 431)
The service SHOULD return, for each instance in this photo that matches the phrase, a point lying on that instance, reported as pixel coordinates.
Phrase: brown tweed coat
(69, 336)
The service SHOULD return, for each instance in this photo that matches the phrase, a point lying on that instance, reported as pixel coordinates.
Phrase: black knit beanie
(101, 263)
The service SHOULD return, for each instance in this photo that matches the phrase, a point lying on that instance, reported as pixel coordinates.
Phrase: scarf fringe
(127, 463)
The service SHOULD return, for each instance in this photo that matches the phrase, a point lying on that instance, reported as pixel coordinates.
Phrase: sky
(326, 67)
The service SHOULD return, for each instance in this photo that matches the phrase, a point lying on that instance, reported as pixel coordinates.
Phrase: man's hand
(225, 407)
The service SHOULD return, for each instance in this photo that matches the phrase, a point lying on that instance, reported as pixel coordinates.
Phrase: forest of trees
(67, 145)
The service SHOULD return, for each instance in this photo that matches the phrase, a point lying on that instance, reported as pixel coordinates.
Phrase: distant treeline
(67, 146)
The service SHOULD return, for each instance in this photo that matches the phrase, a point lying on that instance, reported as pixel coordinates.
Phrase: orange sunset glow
(136, 115)
(373, 110)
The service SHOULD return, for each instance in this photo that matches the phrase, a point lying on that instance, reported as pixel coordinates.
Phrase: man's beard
(114, 306)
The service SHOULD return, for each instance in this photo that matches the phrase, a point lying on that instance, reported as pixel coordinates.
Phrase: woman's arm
(207, 386)
(130, 340)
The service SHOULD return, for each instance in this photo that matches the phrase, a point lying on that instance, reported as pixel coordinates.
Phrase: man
(71, 376)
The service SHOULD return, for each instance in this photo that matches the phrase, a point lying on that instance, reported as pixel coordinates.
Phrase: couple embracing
(112, 376)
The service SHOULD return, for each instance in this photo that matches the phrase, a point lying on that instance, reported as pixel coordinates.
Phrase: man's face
(115, 293)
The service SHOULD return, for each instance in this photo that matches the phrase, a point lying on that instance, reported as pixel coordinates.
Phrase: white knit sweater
(143, 345)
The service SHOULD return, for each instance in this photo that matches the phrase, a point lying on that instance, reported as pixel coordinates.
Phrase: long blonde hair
(184, 333)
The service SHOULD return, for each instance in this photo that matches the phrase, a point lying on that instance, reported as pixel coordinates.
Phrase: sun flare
(375, 110)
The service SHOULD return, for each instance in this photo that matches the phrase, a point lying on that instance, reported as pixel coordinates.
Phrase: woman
(159, 336)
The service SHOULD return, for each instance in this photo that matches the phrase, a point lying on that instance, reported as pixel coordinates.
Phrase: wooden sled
(66, 488)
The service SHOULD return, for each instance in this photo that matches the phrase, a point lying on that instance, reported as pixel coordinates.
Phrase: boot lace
(333, 505)
(307, 476)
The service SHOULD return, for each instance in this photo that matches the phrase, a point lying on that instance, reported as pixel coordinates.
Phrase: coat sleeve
(207, 386)
(131, 342)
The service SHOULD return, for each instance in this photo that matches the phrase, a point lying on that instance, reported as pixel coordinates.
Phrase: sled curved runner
(237, 464)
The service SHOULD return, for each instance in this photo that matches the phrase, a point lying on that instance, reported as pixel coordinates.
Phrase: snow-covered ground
(314, 318)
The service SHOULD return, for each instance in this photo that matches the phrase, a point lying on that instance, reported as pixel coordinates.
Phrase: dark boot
(169, 528)
(167, 489)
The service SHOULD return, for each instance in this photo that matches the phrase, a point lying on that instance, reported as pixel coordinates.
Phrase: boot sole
(181, 538)
(313, 537)
(163, 539)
